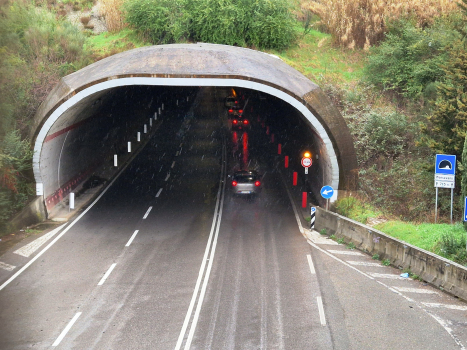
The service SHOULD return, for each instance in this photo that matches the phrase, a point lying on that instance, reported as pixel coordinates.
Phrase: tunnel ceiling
(200, 65)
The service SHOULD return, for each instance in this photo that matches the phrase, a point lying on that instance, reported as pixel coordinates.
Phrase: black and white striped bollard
(313, 218)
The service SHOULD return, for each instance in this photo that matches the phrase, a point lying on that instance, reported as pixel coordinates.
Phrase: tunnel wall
(181, 66)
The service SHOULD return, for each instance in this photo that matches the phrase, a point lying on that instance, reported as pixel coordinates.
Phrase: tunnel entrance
(93, 113)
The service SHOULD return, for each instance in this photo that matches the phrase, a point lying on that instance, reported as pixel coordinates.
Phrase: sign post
(327, 192)
(445, 176)
(306, 163)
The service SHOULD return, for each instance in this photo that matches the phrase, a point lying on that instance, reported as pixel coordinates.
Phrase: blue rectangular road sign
(445, 164)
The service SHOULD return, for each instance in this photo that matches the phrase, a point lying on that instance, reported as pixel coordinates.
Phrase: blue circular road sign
(327, 192)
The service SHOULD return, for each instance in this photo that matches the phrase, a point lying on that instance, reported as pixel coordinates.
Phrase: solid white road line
(344, 252)
(109, 271)
(322, 318)
(446, 306)
(147, 213)
(364, 263)
(30, 248)
(159, 192)
(416, 290)
(67, 328)
(310, 263)
(132, 238)
(215, 223)
(6, 266)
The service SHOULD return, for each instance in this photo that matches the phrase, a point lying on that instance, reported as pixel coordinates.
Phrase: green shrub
(261, 23)
(15, 189)
(453, 247)
(409, 60)
(159, 21)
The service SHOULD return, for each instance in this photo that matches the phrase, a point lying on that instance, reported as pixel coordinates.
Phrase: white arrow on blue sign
(327, 192)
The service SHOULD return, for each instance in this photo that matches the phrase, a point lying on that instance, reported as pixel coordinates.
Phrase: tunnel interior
(88, 135)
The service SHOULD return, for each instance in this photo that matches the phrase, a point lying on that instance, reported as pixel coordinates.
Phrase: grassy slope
(315, 57)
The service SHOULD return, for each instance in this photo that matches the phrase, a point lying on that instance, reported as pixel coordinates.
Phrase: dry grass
(361, 23)
(112, 11)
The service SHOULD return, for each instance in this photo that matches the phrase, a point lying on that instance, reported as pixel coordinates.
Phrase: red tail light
(240, 111)
(235, 121)
(236, 102)
(234, 183)
(230, 110)
(245, 121)
(257, 183)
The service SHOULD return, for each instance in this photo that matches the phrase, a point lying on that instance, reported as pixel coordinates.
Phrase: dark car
(246, 182)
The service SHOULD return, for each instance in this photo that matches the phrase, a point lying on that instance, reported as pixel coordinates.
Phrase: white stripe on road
(6, 266)
(176, 154)
(158, 193)
(415, 290)
(173, 164)
(147, 213)
(344, 252)
(109, 271)
(30, 248)
(385, 275)
(310, 263)
(211, 245)
(446, 306)
(67, 328)
(322, 318)
(167, 177)
(132, 238)
(364, 263)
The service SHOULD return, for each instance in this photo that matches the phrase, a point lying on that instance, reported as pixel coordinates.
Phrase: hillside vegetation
(396, 70)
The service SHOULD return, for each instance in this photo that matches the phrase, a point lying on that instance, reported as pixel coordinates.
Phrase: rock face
(96, 23)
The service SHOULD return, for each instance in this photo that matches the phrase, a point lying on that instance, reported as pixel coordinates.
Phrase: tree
(445, 129)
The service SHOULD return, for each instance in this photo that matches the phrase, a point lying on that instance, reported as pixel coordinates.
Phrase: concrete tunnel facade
(69, 117)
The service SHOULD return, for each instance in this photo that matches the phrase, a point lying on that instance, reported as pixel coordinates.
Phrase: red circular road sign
(306, 162)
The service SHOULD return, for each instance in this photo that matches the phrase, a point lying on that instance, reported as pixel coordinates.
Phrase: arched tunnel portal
(84, 117)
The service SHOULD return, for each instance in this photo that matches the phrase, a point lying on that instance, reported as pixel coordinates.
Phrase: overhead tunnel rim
(188, 81)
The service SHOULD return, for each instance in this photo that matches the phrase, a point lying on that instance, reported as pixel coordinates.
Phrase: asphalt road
(168, 258)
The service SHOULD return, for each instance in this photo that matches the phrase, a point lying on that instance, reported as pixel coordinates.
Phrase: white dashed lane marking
(6, 266)
(364, 263)
(446, 306)
(345, 252)
(167, 177)
(385, 275)
(147, 213)
(173, 164)
(159, 193)
(107, 274)
(415, 290)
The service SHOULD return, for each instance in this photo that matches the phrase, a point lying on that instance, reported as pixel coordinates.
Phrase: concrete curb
(436, 270)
